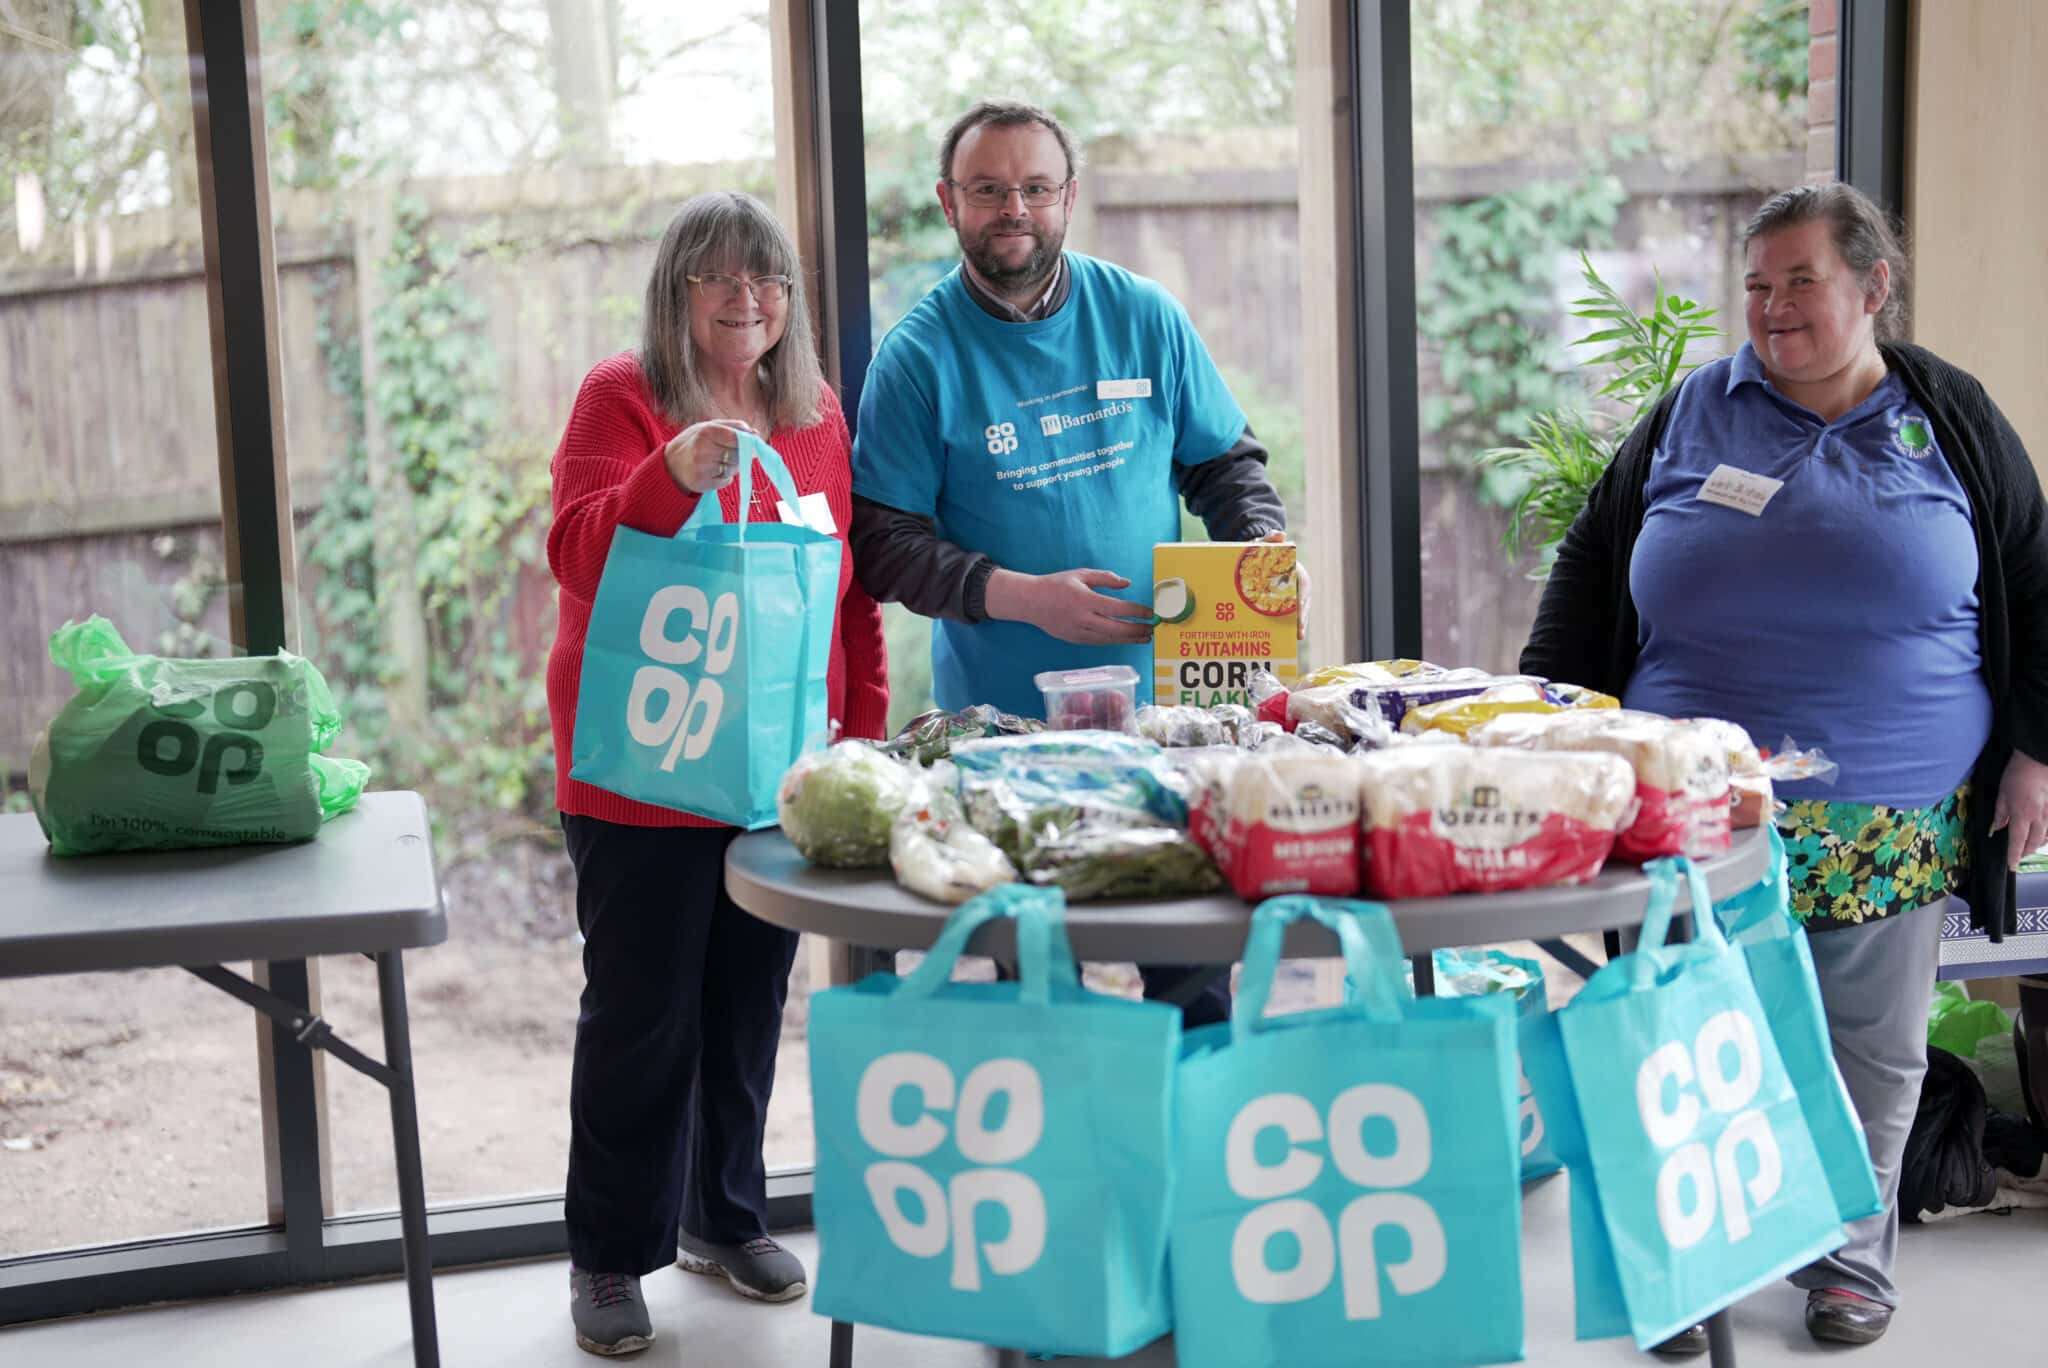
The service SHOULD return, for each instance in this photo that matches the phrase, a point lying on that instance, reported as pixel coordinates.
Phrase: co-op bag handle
(710, 512)
(1748, 910)
(1044, 954)
(1663, 876)
(1364, 930)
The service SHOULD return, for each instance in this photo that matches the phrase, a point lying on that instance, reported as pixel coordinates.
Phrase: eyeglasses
(768, 289)
(994, 194)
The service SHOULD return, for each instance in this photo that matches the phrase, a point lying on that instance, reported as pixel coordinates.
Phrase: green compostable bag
(154, 753)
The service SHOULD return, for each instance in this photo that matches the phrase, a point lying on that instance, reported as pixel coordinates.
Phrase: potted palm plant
(1566, 450)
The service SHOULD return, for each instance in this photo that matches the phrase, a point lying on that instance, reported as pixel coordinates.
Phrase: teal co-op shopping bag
(704, 667)
(1708, 1183)
(1759, 920)
(1348, 1188)
(993, 1158)
(1463, 973)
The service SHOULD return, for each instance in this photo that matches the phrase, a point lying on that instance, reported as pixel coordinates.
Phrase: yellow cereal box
(1223, 608)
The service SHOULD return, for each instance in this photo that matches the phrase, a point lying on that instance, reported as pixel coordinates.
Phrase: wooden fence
(109, 465)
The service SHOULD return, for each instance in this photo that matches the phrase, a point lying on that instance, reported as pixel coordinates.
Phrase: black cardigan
(1586, 628)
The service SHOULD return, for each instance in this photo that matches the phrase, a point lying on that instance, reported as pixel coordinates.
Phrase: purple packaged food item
(1392, 701)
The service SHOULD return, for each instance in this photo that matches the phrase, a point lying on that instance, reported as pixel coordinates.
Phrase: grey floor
(1974, 1286)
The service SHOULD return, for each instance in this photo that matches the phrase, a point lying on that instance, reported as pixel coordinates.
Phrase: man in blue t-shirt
(1027, 433)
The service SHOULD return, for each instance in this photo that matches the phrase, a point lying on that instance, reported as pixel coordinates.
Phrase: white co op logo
(1716, 1175)
(1002, 438)
(1532, 1117)
(1351, 1244)
(948, 1215)
(688, 717)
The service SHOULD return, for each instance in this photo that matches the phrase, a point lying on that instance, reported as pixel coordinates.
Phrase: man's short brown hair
(1004, 114)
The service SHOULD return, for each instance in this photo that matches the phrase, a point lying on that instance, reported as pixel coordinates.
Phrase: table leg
(1192, 984)
(842, 1345)
(1720, 1341)
(405, 1140)
(1009, 1358)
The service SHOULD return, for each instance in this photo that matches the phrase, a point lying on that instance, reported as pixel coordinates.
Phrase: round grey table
(766, 876)
(867, 908)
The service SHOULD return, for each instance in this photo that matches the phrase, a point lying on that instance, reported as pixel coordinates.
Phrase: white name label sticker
(1742, 490)
(1123, 389)
(817, 512)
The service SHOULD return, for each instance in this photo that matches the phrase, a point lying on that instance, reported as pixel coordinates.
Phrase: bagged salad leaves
(1181, 726)
(1098, 813)
(837, 805)
(1090, 858)
(930, 736)
(938, 854)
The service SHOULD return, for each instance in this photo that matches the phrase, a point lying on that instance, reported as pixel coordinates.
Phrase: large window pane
(1641, 133)
(467, 197)
(128, 1102)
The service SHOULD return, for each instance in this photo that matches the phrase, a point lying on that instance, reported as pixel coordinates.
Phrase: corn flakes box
(1224, 608)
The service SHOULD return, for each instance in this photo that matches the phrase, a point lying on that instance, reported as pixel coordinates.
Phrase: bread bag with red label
(1681, 771)
(1454, 819)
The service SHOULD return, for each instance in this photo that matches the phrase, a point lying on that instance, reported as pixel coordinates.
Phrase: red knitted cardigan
(609, 471)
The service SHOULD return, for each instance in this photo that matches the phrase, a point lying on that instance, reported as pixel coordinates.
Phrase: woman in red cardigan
(683, 992)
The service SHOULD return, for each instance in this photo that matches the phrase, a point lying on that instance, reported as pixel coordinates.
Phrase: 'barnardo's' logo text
(1053, 424)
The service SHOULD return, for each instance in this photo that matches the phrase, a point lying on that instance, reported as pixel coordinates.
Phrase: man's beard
(1034, 269)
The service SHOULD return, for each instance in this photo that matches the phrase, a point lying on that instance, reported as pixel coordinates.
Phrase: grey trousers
(1876, 981)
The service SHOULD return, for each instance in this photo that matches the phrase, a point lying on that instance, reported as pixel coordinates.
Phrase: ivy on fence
(1487, 308)
(479, 500)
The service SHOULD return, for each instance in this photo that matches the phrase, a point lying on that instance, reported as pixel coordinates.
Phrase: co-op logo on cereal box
(1486, 819)
(687, 716)
(1706, 1123)
(946, 1215)
(1325, 1251)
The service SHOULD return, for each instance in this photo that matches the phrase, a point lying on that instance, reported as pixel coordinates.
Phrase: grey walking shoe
(761, 1269)
(610, 1317)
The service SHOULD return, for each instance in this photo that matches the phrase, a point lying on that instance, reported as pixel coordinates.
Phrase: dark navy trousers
(676, 1037)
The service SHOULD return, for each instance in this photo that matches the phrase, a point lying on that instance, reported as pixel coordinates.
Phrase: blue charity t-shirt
(1843, 614)
(1045, 445)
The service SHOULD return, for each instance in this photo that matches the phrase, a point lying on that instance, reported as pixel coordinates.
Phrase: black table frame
(202, 909)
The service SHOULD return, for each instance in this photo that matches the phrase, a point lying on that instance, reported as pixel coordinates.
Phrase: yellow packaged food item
(1460, 715)
(1369, 672)
(1224, 609)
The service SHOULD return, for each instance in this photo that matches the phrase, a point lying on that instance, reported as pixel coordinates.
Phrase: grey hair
(724, 230)
(1863, 235)
(1005, 114)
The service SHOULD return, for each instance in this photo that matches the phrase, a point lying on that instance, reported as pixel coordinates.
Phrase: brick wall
(1823, 23)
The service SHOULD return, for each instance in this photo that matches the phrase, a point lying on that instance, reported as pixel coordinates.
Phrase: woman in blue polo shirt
(1836, 537)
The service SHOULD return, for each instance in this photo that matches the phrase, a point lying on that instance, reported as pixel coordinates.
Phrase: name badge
(1123, 389)
(1744, 491)
(817, 512)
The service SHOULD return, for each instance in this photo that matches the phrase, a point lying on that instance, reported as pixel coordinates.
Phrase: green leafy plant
(1567, 449)
(1774, 40)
